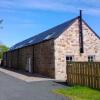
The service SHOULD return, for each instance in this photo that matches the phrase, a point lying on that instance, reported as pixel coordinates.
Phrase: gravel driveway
(14, 89)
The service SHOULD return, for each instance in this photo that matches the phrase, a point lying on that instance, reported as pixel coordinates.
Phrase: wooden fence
(84, 73)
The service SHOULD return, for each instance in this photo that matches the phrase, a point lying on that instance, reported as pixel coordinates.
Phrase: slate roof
(47, 35)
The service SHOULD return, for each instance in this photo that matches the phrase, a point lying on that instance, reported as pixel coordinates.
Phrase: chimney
(81, 33)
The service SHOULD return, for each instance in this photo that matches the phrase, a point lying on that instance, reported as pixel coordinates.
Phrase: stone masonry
(67, 44)
(44, 58)
(41, 58)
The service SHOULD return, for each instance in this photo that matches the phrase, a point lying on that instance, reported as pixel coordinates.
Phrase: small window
(91, 58)
(69, 58)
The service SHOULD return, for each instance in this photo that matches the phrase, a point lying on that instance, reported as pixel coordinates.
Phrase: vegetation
(3, 48)
(79, 93)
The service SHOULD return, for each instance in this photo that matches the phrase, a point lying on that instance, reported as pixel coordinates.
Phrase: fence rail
(84, 73)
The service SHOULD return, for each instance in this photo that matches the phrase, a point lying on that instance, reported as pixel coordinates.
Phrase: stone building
(47, 52)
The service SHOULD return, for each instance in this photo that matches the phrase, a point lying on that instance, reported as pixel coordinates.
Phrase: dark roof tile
(47, 35)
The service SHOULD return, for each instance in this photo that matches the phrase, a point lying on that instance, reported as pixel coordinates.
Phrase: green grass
(79, 93)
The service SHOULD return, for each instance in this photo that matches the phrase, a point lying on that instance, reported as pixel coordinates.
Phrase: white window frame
(91, 58)
(69, 58)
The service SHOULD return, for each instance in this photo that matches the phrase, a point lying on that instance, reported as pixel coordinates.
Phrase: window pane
(91, 58)
(69, 58)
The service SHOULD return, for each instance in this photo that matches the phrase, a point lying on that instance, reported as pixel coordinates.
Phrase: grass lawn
(79, 93)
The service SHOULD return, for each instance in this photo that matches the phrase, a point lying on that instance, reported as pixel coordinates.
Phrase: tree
(3, 48)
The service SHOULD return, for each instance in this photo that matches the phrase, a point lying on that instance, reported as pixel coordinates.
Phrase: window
(49, 35)
(69, 58)
(91, 58)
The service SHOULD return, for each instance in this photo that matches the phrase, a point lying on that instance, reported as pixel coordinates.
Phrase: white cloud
(89, 6)
(91, 1)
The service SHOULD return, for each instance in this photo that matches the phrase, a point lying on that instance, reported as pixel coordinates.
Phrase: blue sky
(25, 18)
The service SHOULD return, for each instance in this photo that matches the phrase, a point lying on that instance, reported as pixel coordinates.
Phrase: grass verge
(79, 93)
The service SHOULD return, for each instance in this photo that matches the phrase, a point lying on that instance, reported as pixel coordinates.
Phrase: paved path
(14, 89)
(26, 78)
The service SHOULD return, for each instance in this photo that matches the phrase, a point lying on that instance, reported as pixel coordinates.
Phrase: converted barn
(48, 52)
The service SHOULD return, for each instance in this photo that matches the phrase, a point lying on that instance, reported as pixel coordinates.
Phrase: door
(29, 65)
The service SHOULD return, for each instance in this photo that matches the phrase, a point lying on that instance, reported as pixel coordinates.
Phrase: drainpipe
(81, 33)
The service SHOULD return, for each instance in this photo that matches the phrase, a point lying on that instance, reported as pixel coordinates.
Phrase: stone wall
(68, 45)
(14, 59)
(41, 55)
(44, 58)
(9, 56)
(24, 55)
(4, 62)
(18, 59)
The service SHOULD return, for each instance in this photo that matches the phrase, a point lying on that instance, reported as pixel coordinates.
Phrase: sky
(23, 19)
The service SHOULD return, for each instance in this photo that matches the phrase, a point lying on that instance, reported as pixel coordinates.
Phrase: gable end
(91, 29)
